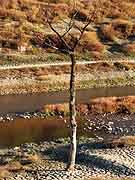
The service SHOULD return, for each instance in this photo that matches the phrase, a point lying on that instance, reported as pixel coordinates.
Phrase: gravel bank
(93, 160)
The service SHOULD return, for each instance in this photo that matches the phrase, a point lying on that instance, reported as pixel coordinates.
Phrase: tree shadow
(60, 153)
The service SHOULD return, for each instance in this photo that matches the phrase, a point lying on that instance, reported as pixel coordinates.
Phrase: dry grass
(58, 82)
(98, 105)
(108, 32)
(90, 42)
(121, 142)
(113, 104)
(64, 108)
(129, 48)
(4, 174)
(128, 140)
(13, 166)
(30, 16)
(8, 3)
(102, 105)
(120, 8)
(118, 28)
(34, 158)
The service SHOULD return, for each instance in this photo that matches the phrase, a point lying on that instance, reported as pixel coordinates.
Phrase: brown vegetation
(25, 18)
(98, 105)
(4, 173)
(129, 48)
(90, 42)
(113, 104)
(128, 140)
(118, 28)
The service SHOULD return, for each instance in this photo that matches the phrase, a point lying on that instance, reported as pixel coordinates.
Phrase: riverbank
(47, 160)
(55, 77)
(39, 159)
(114, 129)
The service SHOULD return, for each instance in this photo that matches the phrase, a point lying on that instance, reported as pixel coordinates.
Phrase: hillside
(24, 30)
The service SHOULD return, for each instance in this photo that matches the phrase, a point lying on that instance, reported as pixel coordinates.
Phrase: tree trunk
(72, 108)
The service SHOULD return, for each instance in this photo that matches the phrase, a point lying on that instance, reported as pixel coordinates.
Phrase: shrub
(123, 28)
(53, 39)
(38, 39)
(12, 14)
(90, 42)
(81, 15)
(107, 32)
(43, 40)
(102, 105)
(129, 48)
(119, 8)
(118, 28)
(8, 3)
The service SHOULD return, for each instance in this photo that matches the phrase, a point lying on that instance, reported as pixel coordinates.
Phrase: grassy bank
(50, 83)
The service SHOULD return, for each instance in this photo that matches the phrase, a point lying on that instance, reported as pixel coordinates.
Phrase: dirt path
(5, 67)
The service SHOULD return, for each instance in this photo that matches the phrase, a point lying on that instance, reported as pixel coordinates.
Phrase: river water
(36, 129)
(32, 102)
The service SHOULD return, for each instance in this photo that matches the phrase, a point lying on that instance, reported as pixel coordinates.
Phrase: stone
(25, 161)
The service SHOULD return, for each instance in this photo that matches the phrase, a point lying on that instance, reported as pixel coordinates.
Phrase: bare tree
(70, 49)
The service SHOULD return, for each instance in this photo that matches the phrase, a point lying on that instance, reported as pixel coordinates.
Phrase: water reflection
(32, 102)
(37, 129)
(34, 130)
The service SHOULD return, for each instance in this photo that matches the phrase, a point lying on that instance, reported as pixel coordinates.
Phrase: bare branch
(78, 28)
(58, 34)
(65, 44)
(51, 46)
(70, 24)
(85, 27)
(67, 31)
(71, 36)
(57, 49)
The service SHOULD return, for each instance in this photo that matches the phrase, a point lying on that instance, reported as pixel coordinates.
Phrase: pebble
(91, 161)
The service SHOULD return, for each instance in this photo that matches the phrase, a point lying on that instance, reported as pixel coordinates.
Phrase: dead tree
(69, 49)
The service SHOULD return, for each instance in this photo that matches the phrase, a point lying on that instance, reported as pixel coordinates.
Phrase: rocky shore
(47, 160)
